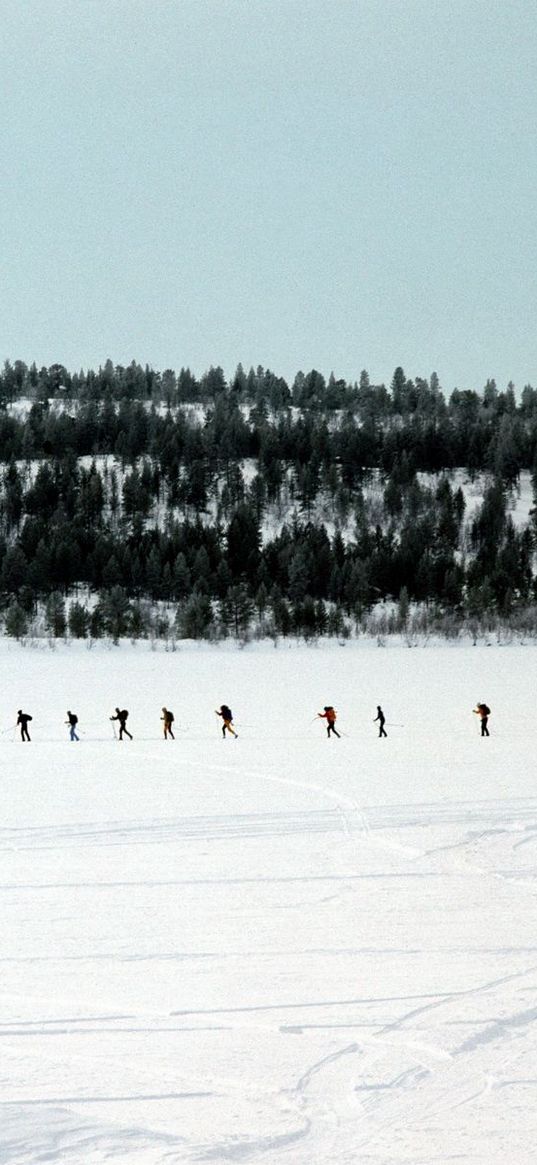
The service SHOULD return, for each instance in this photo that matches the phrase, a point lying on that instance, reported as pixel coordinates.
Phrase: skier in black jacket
(23, 718)
(72, 721)
(381, 719)
(122, 717)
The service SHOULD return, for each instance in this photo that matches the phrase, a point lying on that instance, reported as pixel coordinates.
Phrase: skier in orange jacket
(330, 716)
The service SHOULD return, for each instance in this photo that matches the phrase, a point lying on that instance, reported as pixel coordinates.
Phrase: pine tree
(78, 621)
(194, 617)
(236, 610)
(243, 543)
(14, 570)
(55, 619)
(16, 621)
(116, 610)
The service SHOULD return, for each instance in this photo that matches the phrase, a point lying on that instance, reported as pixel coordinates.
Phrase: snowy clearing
(284, 949)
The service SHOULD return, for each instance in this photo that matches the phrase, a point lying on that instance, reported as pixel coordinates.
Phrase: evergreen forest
(156, 504)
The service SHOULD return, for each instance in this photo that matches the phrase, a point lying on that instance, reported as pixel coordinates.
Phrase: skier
(227, 717)
(483, 711)
(381, 719)
(122, 717)
(23, 718)
(72, 721)
(329, 715)
(168, 718)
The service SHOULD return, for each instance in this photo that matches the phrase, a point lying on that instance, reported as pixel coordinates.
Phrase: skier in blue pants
(72, 721)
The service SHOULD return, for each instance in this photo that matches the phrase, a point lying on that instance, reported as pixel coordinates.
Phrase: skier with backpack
(483, 711)
(23, 719)
(72, 721)
(330, 715)
(227, 717)
(168, 718)
(122, 718)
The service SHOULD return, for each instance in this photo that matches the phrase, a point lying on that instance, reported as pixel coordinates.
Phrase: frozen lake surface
(284, 949)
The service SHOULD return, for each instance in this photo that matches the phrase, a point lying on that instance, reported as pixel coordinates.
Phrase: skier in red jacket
(330, 715)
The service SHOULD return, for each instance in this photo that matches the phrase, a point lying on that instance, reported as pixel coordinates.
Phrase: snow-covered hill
(284, 949)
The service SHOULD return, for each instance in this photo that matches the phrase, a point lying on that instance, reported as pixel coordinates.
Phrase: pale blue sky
(335, 184)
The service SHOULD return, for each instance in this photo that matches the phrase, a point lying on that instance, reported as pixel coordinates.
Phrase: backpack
(73, 719)
(123, 715)
(226, 712)
(486, 709)
(170, 717)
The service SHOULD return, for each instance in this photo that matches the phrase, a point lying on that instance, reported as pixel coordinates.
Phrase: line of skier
(224, 712)
(121, 716)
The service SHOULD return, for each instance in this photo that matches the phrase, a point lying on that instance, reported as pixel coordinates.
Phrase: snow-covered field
(282, 949)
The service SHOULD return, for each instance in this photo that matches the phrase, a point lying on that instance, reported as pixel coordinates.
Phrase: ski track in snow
(305, 956)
